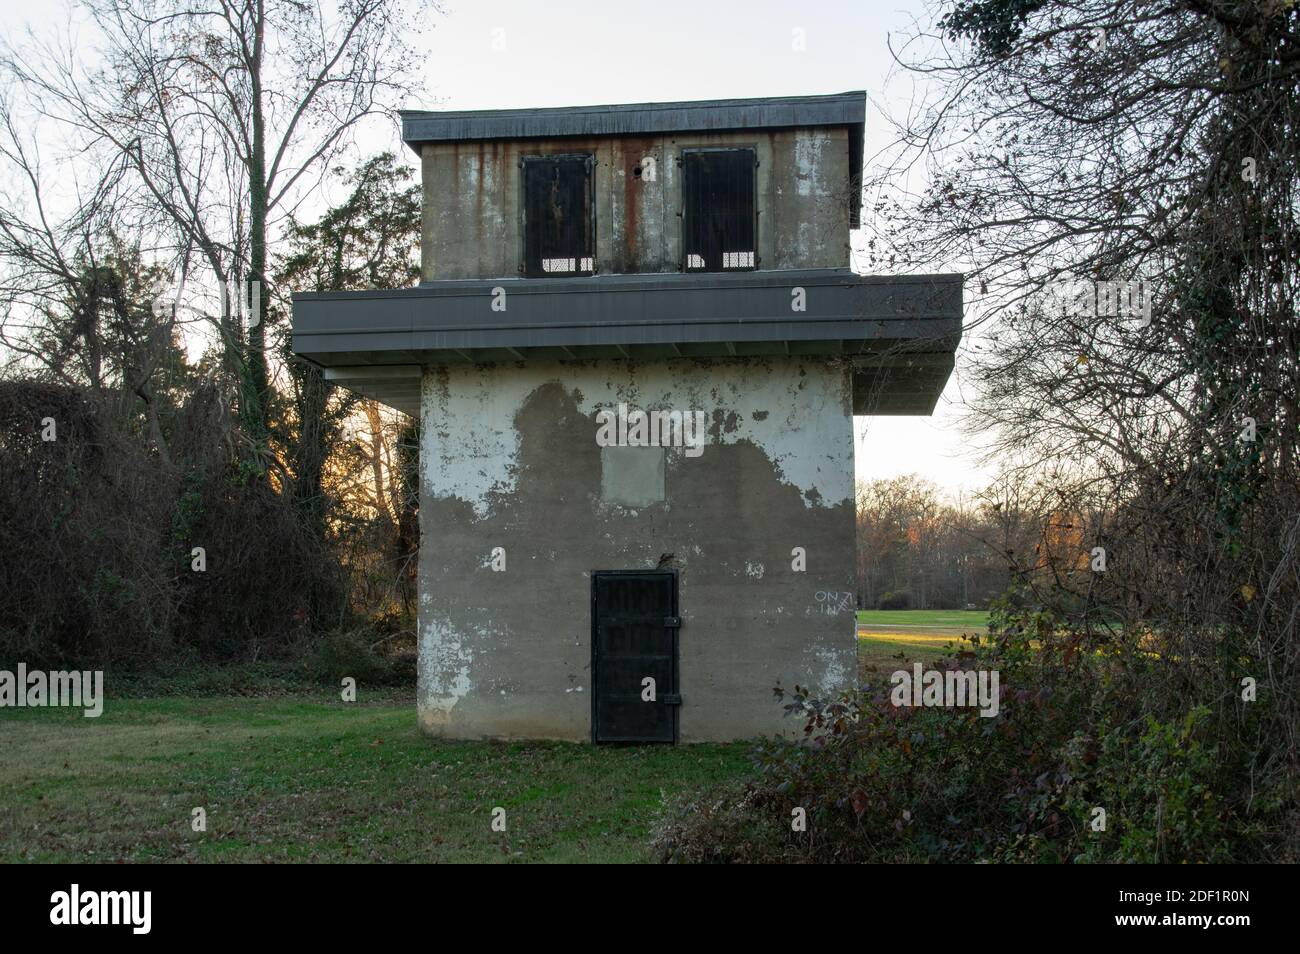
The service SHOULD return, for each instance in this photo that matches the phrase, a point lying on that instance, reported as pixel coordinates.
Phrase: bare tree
(76, 296)
(1091, 142)
(225, 113)
(1119, 177)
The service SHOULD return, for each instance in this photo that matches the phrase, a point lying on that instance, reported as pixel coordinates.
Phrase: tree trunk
(258, 379)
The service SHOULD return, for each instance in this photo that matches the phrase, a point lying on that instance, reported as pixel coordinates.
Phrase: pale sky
(497, 54)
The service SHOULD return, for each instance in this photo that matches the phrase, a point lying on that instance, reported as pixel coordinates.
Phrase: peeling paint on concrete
(793, 411)
(809, 165)
(444, 669)
(510, 459)
(834, 671)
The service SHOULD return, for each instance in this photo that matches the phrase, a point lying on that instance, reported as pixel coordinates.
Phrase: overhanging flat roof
(633, 119)
(900, 333)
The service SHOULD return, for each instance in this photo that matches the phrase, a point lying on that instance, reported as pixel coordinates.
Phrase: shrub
(350, 653)
(895, 600)
(82, 536)
(1075, 731)
(98, 537)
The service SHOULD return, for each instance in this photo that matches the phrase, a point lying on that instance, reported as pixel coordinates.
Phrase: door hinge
(672, 622)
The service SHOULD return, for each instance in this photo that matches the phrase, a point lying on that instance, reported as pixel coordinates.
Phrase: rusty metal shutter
(634, 636)
(559, 237)
(718, 214)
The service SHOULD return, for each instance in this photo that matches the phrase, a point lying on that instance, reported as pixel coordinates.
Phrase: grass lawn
(308, 778)
(313, 779)
(894, 639)
(946, 622)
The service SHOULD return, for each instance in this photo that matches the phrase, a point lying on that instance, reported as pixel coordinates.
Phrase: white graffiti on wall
(833, 602)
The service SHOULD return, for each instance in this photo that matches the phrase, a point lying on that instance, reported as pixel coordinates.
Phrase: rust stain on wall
(634, 193)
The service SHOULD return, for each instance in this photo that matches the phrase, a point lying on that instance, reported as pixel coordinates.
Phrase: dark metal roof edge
(401, 335)
(834, 109)
(632, 283)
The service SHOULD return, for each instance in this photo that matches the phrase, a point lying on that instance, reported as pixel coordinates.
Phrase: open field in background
(894, 639)
(930, 621)
(294, 779)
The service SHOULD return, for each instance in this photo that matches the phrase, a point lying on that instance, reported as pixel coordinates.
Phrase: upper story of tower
(651, 188)
(716, 231)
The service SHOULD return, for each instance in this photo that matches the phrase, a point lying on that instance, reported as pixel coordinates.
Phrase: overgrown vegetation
(1149, 649)
(145, 524)
(1076, 731)
(199, 493)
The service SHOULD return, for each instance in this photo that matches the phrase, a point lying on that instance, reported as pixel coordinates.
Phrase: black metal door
(634, 629)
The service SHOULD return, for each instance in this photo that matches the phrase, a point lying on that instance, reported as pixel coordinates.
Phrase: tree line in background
(177, 485)
(919, 548)
(144, 521)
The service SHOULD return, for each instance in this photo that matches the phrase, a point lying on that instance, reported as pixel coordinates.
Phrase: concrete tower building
(636, 353)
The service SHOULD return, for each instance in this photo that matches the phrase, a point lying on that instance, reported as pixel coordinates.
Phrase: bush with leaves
(1076, 731)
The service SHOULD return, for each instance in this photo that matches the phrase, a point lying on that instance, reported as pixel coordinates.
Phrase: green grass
(893, 639)
(310, 779)
(942, 622)
(304, 777)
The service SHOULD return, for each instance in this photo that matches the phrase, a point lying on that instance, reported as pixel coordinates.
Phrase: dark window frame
(687, 224)
(533, 269)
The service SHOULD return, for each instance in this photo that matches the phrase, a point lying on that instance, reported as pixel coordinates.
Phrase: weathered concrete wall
(473, 220)
(510, 459)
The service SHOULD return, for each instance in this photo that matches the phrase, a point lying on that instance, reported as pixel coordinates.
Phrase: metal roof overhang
(899, 333)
